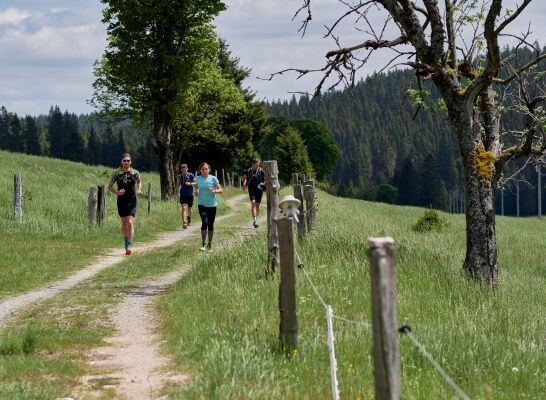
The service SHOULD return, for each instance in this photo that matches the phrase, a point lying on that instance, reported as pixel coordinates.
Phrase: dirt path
(10, 305)
(131, 365)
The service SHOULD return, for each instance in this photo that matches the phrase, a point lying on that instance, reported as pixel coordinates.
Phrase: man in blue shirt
(186, 180)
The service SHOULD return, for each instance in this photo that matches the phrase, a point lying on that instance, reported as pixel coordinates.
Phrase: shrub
(429, 221)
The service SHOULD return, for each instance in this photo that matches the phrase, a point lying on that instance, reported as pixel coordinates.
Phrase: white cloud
(13, 16)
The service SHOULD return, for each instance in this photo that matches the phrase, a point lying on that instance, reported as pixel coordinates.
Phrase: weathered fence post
(301, 216)
(149, 196)
(288, 326)
(233, 179)
(240, 184)
(215, 173)
(384, 330)
(310, 203)
(101, 204)
(18, 196)
(223, 178)
(91, 205)
(272, 190)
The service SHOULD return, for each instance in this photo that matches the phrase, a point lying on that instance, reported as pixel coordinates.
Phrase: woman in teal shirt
(207, 188)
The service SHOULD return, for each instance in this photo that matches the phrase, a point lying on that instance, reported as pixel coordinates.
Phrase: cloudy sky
(47, 47)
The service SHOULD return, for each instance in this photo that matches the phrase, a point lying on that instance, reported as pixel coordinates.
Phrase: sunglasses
(126, 160)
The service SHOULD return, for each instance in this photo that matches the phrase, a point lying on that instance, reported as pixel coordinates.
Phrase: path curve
(131, 360)
(10, 305)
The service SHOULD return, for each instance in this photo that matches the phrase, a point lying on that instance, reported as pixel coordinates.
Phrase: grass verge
(221, 321)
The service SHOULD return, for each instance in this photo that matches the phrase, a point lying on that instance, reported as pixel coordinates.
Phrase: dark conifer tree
(32, 135)
(408, 183)
(4, 128)
(432, 193)
(55, 132)
(94, 147)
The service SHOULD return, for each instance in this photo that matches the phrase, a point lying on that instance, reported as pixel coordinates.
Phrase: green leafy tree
(155, 49)
(199, 123)
(321, 146)
(291, 155)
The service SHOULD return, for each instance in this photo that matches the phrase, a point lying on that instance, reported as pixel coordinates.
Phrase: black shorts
(256, 195)
(127, 207)
(187, 200)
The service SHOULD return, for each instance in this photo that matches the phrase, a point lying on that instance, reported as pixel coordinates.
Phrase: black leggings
(208, 215)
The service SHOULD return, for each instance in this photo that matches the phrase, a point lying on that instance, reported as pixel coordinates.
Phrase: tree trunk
(481, 243)
(163, 136)
(479, 146)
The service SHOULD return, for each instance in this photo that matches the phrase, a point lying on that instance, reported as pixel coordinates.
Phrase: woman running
(127, 180)
(207, 188)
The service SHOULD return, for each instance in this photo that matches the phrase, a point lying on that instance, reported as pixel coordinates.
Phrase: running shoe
(184, 226)
(128, 251)
(256, 224)
(202, 248)
(209, 248)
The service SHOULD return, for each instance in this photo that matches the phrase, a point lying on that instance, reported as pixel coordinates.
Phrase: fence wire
(404, 329)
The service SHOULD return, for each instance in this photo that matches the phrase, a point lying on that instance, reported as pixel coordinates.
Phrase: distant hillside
(390, 152)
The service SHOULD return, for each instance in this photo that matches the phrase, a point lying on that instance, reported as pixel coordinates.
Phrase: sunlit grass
(221, 322)
(54, 239)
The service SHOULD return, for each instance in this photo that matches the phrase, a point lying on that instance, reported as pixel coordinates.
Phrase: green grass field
(221, 321)
(53, 238)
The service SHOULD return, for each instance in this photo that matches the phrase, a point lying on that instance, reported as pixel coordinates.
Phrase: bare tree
(456, 45)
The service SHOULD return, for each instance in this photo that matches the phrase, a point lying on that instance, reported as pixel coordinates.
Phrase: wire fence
(406, 330)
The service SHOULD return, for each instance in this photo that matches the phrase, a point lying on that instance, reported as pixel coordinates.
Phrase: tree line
(391, 152)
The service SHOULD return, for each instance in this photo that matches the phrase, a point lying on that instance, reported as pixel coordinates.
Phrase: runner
(255, 179)
(207, 188)
(186, 180)
(127, 180)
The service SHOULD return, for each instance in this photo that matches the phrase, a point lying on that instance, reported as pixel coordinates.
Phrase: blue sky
(47, 47)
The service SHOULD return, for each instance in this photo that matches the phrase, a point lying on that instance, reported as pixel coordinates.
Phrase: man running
(255, 179)
(186, 180)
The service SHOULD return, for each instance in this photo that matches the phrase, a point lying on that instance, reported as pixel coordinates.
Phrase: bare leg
(184, 214)
(129, 228)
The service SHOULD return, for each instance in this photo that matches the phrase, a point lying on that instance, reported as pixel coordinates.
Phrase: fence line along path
(13, 304)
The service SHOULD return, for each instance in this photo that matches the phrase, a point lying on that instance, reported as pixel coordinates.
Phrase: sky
(48, 47)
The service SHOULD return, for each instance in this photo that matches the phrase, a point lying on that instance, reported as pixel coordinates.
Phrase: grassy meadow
(54, 238)
(221, 320)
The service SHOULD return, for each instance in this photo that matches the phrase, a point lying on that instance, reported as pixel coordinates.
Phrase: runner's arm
(111, 188)
(217, 189)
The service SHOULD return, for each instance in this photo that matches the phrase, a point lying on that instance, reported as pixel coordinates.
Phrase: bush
(429, 221)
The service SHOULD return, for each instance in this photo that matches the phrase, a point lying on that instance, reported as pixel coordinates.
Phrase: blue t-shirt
(186, 190)
(206, 197)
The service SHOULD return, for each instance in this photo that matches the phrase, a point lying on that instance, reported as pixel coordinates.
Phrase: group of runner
(203, 186)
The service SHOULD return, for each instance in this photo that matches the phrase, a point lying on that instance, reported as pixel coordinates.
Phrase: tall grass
(54, 238)
(221, 321)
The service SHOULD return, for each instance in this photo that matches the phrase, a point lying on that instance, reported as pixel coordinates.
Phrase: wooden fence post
(91, 205)
(101, 204)
(149, 196)
(310, 203)
(272, 189)
(288, 326)
(384, 330)
(18, 196)
(223, 178)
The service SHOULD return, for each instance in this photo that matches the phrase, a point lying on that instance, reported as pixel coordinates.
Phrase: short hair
(255, 160)
(183, 165)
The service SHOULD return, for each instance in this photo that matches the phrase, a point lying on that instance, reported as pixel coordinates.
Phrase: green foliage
(319, 141)
(291, 155)
(153, 54)
(429, 221)
(386, 193)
